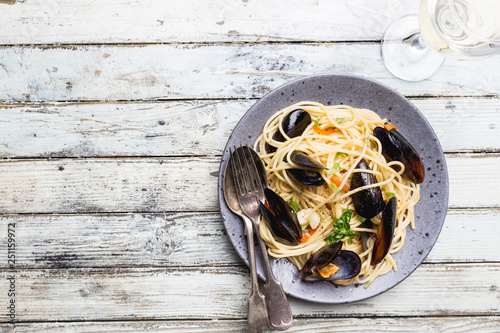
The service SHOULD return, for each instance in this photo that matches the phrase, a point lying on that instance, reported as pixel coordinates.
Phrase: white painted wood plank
(177, 184)
(198, 127)
(104, 185)
(194, 240)
(340, 325)
(124, 294)
(130, 129)
(111, 73)
(129, 21)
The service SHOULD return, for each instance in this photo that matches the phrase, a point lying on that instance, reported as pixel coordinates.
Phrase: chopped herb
(367, 141)
(341, 228)
(316, 122)
(368, 284)
(301, 190)
(360, 218)
(341, 154)
(294, 205)
(341, 120)
(303, 227)
(333, 185)
(334, 219)
(390, 194)
(334, 169)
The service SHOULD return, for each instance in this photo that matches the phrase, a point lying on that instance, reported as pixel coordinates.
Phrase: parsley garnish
(367, 141)
(334, 169)
(341, 228)
(390, 194)
(294, 205)
(341, 120)
(301, 190)
(316, 122)
(341, 154)
(360, 218)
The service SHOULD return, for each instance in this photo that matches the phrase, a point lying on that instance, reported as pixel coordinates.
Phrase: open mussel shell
(293, 125)
(385, 233)
(369, 202)
(396, 148)
(304, 162)
(281, 219)
(319, 260)
(348, 263)
(306, 177)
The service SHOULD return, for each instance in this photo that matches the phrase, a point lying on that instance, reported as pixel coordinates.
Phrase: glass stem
(416, 41)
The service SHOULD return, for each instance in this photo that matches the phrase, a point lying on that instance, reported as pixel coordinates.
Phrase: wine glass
(456, 29)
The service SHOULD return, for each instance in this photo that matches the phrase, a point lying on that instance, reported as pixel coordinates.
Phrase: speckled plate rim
(358, 92)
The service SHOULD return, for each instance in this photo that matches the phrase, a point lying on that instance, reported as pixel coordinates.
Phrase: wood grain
(177, 184)
(351, 325)
(197, 127)
(221, 293)
(149, 21)
(215, 71)
(195, 240)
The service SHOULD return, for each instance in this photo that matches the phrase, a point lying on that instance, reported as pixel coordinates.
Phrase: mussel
(331, 263)
(385, 233)
(307, 169)
(281, 219)
(293, 125)
(304, 162)
(396, 148)
(369, 202)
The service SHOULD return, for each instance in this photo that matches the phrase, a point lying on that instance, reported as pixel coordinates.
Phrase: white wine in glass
(456, 29)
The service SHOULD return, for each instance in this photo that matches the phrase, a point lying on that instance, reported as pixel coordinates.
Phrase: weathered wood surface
(198, 127)
(177, 184)
(195, 240)
(221, 293)
(111, 144)
(351, 325)
(150, 21)
(213, 71)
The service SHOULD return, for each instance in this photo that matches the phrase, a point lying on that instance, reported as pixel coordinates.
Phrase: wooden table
(113, 118)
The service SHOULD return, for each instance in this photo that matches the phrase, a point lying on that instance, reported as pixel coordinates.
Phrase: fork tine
(238, 171)
(235, 170)
(253, 173)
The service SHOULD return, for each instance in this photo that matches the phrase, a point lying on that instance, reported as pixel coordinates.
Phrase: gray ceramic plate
(358, 92)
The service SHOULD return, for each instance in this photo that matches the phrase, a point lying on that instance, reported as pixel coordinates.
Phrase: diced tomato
(307, 235)
(337, 182)
(321, 131)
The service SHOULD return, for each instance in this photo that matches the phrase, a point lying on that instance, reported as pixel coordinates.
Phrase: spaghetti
(338, 137)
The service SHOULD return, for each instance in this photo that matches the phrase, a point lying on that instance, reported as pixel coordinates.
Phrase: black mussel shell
(281, 219)
(348, 263)
(294, 124)
(396, 148)
(385, 233)
(319, 260)
(305, 177)
(367, 203)
(304, 162)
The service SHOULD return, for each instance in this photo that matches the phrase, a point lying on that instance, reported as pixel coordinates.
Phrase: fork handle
(280, 314)
(258, 317)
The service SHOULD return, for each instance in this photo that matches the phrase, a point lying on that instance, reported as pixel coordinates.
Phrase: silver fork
(280, 314)
(258, 319)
